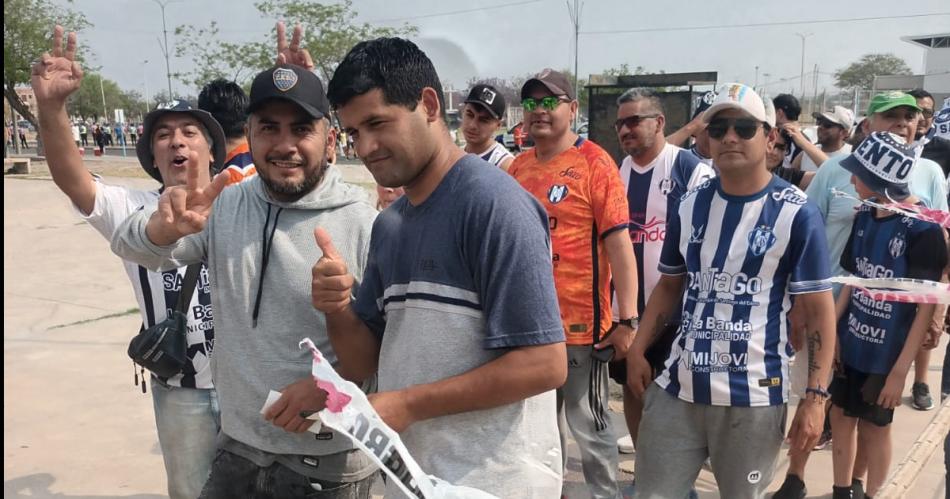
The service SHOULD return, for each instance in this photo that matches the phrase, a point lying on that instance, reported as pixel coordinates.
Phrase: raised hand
(55, 76)
(292, 54)
(184, 210)
(332, 283)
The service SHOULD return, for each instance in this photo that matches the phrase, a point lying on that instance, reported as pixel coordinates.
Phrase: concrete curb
(903, 478)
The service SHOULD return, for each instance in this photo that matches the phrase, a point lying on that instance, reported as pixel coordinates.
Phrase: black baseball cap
(143, 148)
(293, 83)
(488, 97)
(557, 83)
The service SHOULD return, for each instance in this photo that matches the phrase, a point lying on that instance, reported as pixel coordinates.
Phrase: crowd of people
(487, 300)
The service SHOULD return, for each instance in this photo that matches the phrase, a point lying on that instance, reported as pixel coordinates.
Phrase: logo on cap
(488, 96)
(284, 79)
(883, 155)
(736, 92)
(168, 105)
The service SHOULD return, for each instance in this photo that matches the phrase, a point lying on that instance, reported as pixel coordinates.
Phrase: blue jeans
(188, 421)
(232, 476)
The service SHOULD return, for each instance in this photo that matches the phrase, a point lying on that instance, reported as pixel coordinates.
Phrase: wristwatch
(632, 323)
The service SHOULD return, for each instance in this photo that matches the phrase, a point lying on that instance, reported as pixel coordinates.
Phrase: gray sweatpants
(582, 402)
(676, 437)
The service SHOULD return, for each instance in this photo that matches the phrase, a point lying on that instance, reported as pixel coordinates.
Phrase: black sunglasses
(745, 127)
(632, 121)
(827, 124)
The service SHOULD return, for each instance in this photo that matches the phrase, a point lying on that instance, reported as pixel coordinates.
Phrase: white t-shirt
(496, 154)
(809, 166)
(156, 292)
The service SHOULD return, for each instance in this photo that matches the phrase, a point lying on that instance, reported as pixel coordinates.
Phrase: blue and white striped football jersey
(743, 256)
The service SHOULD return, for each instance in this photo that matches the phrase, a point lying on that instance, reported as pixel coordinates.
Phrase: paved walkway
(74, 424)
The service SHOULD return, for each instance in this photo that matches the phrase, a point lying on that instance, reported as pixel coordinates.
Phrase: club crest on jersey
(761, 239)
(557, 193)
(791, 195)
(284, 79)
(897, 246)
(666, 186)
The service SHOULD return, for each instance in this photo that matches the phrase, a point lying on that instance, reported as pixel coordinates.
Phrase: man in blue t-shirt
(457, 310)
(738, 250)
(879, 339)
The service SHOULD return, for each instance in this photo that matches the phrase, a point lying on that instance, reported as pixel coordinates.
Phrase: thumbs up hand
(332, 283)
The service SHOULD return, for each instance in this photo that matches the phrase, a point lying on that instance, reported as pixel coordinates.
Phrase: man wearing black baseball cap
(256, 237)
(481, 118)
(177, 139)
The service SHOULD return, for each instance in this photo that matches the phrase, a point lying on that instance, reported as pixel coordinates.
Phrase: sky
(495, 38)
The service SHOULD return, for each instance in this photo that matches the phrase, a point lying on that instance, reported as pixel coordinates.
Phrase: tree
(861, 74)
(329, 33)
(87, 101)
(27, 25)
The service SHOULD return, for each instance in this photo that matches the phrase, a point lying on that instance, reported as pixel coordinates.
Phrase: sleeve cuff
(671, 269)
(615, 228)
(805, 287)
(543, 337)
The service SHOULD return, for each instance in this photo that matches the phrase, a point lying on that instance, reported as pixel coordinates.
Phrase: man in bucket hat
(176, 136)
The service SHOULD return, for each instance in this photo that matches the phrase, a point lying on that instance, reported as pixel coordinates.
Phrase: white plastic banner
(349, 412)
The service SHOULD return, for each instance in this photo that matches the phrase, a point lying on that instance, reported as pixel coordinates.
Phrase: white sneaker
(625, 445)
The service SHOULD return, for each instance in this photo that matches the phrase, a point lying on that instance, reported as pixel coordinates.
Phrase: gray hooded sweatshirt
(259, 254)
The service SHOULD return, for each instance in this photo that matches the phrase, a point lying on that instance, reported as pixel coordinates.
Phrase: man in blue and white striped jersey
(738, 251)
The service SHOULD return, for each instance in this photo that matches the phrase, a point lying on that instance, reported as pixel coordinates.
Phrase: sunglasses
(632, 121)
(827, 124)
(745, 127)
(928, 113)
(550, 103)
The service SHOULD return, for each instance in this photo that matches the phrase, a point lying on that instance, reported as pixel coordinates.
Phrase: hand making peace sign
(54, 77)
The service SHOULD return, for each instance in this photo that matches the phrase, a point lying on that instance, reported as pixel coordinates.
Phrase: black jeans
(233, 476)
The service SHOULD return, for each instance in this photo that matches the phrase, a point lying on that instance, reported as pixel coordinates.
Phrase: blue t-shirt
(744, 256)
(926, 182)
(872, 333)
(451, 285)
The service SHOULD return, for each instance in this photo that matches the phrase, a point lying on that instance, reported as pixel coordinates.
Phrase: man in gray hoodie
(257, 240)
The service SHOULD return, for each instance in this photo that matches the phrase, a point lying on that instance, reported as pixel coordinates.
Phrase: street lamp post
(575, 13)
(168, 71)
(145, 80)
(802, 76)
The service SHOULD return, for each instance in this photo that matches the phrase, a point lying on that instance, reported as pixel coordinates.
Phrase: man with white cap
(834, 128)
(737, 250)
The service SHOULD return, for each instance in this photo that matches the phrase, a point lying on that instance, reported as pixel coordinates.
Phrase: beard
(289, 190)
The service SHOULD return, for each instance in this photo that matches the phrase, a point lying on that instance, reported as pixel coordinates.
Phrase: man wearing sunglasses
(938, 149)
(834, 128)
(655, 174)
(577, 183)
(737, 250)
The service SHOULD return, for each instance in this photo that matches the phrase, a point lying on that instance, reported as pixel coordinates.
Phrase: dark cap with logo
(292, 83)
(557, 83)
(883, 162)
(143, 148)
(488, 97)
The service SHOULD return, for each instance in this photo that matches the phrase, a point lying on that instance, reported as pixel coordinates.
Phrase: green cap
(890, 100)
